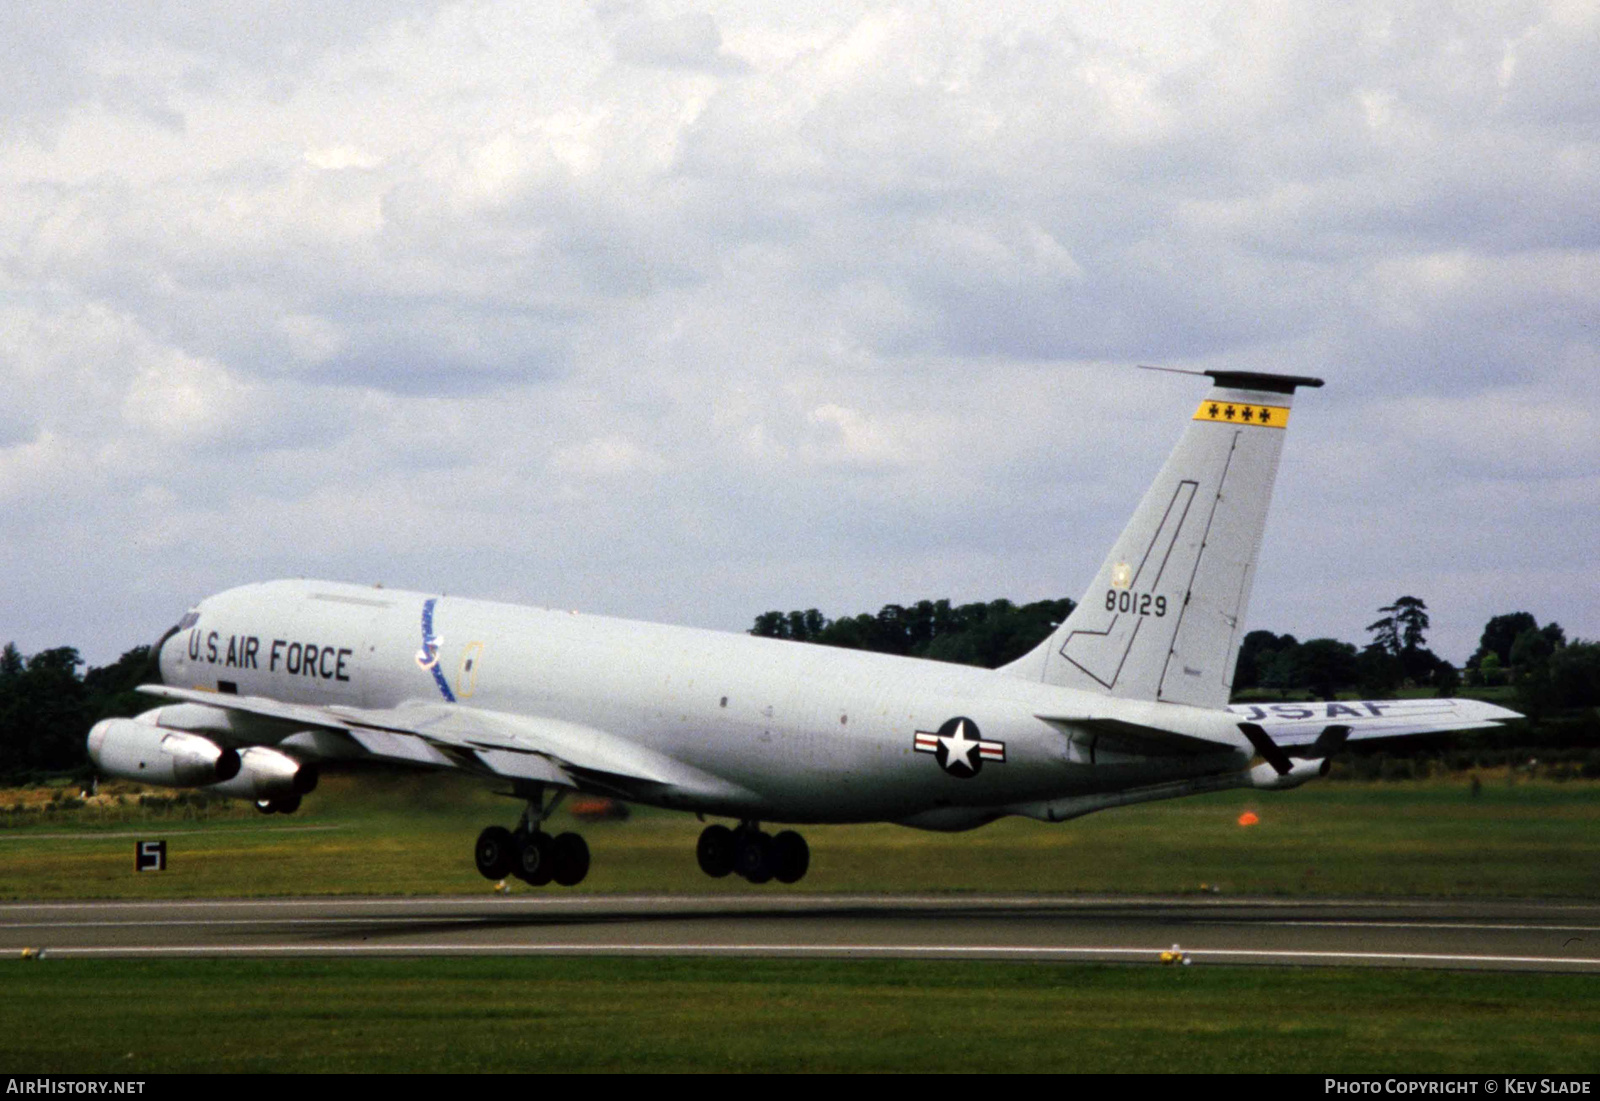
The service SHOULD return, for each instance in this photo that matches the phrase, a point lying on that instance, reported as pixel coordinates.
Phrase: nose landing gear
(756, 856)
(529, 853)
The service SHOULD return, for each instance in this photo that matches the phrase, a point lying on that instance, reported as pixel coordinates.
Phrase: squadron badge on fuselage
(958, 748)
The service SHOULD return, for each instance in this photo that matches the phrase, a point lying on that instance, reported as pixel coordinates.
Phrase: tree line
(49, 701)
(1538, 661)
(47, 706)
(989, 634)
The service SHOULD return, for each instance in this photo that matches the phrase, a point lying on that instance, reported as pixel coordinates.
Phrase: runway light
(1248, 818)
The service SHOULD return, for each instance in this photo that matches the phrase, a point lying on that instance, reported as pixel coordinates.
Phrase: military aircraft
(1127, 701)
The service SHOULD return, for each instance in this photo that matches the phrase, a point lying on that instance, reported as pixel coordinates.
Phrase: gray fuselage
(804, 733)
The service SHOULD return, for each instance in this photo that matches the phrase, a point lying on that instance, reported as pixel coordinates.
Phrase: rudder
(1162, 619)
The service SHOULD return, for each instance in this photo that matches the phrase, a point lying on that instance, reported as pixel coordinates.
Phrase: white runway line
(858, 950)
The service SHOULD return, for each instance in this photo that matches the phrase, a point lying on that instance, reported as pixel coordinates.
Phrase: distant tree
(1254, 652)
(1531, 655)
(110, 688)
(1534, 647)
(1446, 679)
(46, 707)
(1326, 666)
(973, 634)
(1379, 672)
(1403, 627)
(1575, 675)
(1498, 635)
(1490, 671)
(12, 662)
(771, 625)
(799, 626)
(43, 712)
(1401, 634)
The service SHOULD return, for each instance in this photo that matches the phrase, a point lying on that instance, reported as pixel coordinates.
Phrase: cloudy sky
(689, 311)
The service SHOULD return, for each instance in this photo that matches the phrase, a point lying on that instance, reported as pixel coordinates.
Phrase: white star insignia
(959, 747)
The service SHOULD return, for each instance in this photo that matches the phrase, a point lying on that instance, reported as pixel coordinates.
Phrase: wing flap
(401, 747)
(526, 766)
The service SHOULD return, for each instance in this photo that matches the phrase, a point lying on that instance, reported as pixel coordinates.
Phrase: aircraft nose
(153, 674)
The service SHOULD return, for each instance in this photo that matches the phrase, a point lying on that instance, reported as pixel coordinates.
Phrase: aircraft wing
(517, 747)
(1293, 725)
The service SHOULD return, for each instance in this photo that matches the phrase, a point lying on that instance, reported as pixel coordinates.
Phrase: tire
(534, 862)
(714, 851)
(791, 856)
(266, 806)
(570, 859)
(494, 852)
(288, 804)
(752, 855)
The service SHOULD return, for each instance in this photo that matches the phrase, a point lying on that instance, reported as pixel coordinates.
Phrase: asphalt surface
(1480, 934)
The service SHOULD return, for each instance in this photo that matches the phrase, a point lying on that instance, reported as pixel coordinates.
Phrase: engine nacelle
(1265, 776)
(268, 774)
(131, 750)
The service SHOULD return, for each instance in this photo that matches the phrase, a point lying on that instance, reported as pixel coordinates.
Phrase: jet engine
(268, 775)
(1267, 776)
(131, 750)
(138, 749)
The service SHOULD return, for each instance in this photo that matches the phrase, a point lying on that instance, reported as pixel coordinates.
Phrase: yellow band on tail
(1233, 412)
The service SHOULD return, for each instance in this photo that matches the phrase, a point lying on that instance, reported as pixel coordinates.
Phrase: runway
(1479, 934)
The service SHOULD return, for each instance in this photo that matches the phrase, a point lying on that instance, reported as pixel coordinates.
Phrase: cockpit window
(188, 621)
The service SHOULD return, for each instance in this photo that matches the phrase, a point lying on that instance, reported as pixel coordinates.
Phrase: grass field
(396, 835)
(407, 835)
(485, 1014)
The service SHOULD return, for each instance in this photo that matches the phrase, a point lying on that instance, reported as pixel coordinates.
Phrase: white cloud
(824, 304)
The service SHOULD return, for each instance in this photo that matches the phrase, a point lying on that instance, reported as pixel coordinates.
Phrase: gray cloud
(685, 312)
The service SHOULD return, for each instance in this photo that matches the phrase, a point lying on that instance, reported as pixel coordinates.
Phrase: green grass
(414, 836)
(128, 1017)
(411, 836)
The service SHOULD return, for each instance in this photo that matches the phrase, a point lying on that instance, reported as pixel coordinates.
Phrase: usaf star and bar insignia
(958, 747)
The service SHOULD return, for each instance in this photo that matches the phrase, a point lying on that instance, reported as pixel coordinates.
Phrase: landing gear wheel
(534, 863)
(494, 852)
(791, 856)
(288, 804)
(715, 851)
(752, 855)
(266, 806)
(570, 858)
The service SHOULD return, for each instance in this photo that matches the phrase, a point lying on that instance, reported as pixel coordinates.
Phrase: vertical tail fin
(1162, 619)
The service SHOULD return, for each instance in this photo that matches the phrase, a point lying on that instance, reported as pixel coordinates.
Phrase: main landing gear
(756, 856)
(529, 853)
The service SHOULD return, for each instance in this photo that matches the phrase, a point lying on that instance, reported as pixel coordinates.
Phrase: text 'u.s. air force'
(295, 657)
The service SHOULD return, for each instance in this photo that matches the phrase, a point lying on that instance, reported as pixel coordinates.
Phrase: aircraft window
(188, 621)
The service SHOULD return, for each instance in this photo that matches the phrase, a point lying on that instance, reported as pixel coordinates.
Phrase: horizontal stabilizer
(1312, 724)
